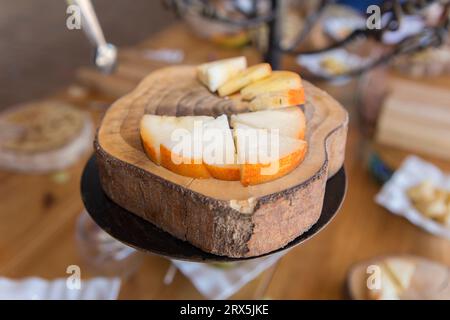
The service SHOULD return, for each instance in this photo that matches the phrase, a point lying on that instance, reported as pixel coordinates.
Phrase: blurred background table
(38, 212)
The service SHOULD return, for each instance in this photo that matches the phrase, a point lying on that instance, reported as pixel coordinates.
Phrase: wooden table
(38, 212)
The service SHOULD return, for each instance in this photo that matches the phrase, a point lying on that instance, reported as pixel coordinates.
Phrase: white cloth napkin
(40, 289)
(393, 196)
(220, 283)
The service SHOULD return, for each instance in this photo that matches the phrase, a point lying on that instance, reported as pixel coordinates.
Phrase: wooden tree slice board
(146, 237)
(220, 217)
(430, 280)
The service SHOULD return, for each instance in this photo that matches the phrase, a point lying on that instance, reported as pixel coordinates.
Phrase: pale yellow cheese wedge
(401, 270)
(265, 157)
(244, 78)
(396, 275)
(162, 139)
(388, 289)
(216, 73)
(219, 152)
(277, 99)
(289, 121)
(277, 81)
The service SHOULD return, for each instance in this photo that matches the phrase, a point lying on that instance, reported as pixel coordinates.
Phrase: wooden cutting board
(220, 217)
(415, 117)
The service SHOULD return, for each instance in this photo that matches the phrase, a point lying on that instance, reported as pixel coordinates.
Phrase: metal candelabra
(251, 16)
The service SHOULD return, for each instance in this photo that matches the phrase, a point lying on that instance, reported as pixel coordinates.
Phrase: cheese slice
(401, 271)
(216, 73)
(277, 81)
(264, 155)
(290, 121)
(396, 275)
(174, 143)
(219, 152)
(278, 99)
(388, 289)
(244, 78)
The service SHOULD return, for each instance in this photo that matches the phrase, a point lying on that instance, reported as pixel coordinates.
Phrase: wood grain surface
(415, 117)
(38, 212)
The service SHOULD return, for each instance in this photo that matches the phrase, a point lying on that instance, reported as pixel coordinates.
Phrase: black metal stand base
(142, 235)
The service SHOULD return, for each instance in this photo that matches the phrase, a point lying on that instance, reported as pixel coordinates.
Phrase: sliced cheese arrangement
(398, 277)
(258, 84)
(257, 147)
(431, 201)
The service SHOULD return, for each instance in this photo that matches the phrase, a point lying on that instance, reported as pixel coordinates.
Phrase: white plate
(340, 27)
(312, 62)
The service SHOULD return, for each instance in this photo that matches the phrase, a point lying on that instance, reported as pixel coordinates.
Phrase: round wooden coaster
(143, 235)
(43, 136)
